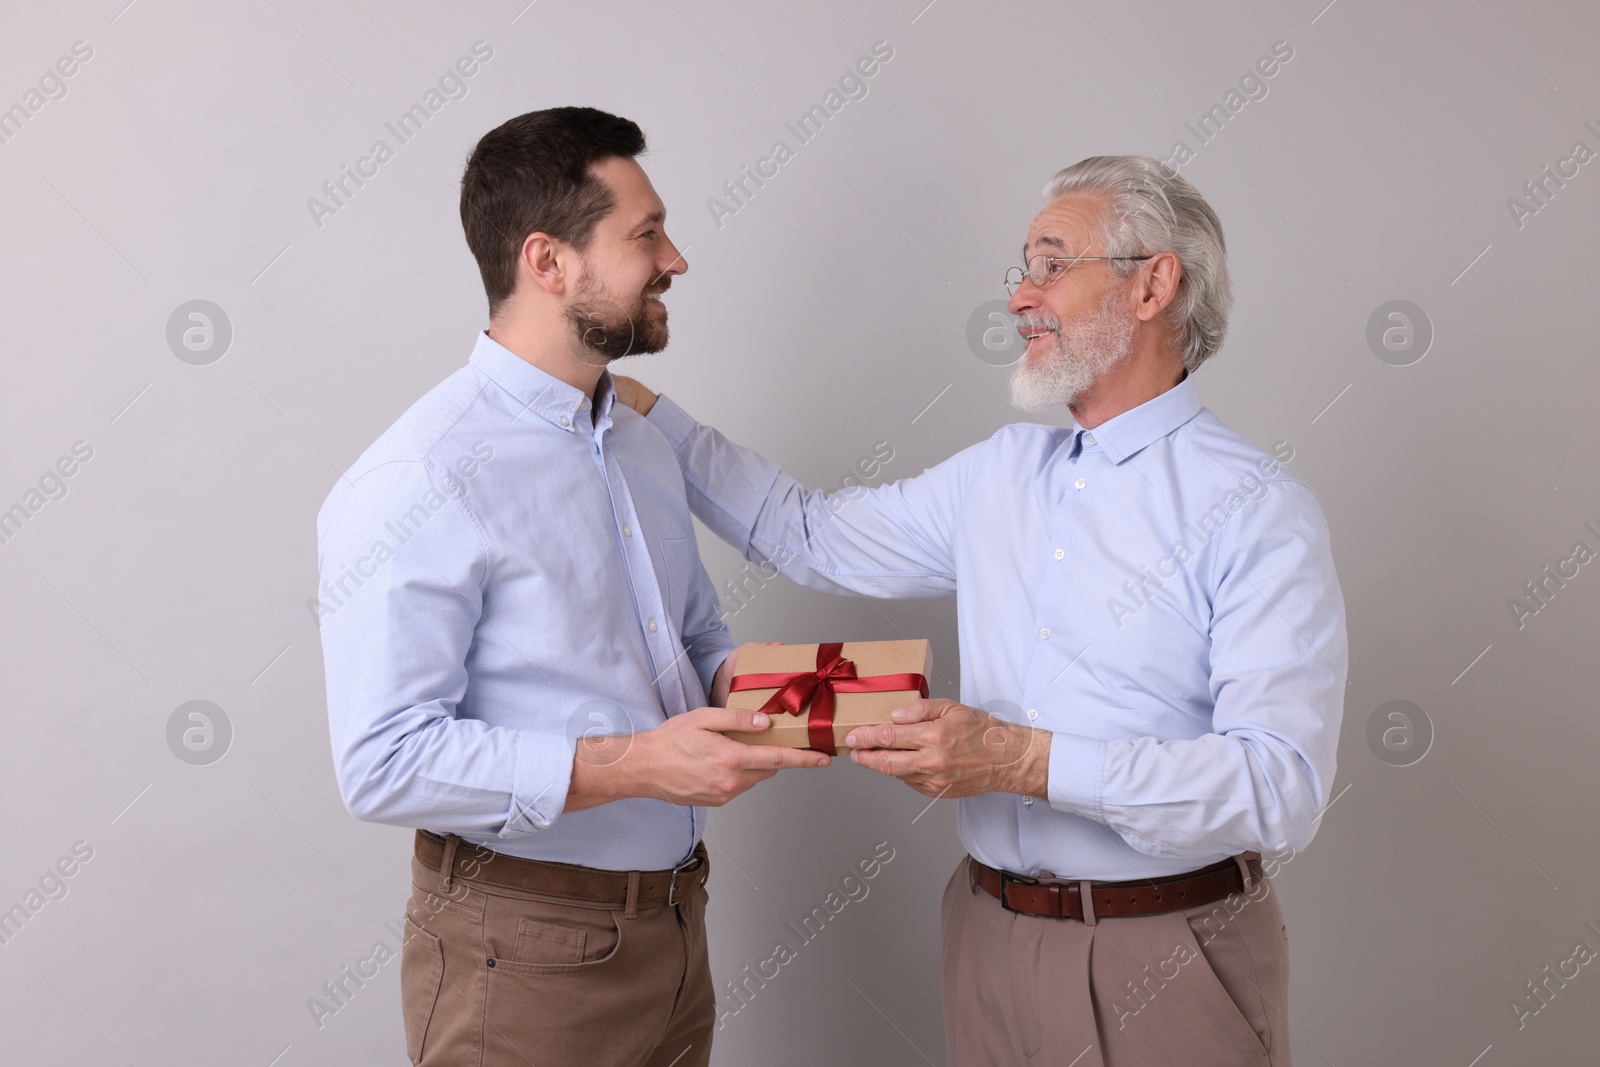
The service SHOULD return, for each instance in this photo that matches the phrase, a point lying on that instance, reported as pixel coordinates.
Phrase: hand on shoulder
(633, 393)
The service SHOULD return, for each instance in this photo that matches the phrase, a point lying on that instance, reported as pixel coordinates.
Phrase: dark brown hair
(531, 175)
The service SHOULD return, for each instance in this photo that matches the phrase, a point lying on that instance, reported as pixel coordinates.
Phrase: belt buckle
(1009, 879)
(688, 866)
(1048, 881)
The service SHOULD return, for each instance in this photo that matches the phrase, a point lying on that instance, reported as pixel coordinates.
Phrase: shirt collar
(1134, 429)
(539, 392)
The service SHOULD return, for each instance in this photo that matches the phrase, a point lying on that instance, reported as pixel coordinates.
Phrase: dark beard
(602, 324)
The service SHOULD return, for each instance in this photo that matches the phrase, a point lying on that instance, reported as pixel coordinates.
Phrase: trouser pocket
(421, 974)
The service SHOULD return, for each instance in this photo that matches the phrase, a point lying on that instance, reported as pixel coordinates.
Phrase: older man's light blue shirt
(1157, 593)
(502, 574)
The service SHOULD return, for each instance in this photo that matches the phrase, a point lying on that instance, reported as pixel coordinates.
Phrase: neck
(548, 344)
(1141, 377)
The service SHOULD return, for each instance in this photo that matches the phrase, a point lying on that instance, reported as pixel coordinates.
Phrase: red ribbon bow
(834, 674)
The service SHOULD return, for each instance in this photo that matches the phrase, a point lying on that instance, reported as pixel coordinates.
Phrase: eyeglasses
(1042, 270)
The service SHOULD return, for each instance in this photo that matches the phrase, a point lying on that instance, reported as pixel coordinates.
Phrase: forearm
(874, 542)
(1215, 793)
(837, 542)
(606, 769)
(451, 775)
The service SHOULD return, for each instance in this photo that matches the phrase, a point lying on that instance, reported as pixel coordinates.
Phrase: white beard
(1083, 352)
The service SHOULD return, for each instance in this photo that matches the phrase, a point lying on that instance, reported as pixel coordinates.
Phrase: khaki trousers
(1205, 986)
(499, 977)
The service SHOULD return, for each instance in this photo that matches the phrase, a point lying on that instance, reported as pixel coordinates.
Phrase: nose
(674, 263)
(1026, 297)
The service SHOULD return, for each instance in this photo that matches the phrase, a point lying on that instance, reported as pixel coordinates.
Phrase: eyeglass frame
(1025, 273)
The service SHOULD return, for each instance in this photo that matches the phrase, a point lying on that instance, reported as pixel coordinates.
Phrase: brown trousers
(498, 977)
(1205, 986)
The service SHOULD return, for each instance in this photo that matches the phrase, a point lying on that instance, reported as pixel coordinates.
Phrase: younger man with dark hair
(524, 637)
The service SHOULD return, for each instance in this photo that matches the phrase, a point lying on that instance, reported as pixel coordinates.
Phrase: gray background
(827, 314)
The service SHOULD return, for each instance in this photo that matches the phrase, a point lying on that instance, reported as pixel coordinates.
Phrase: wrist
(1029, 774)
(606, 768)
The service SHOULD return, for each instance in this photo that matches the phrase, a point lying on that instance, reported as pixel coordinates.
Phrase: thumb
(921, 710)
(724, 719)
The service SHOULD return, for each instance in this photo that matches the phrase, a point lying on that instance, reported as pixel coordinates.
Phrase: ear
(1156, 285)
(546, 262)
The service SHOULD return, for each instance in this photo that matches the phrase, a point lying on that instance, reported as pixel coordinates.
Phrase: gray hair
(1152, 208)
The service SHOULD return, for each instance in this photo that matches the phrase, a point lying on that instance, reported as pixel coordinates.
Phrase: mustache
(1033, 320)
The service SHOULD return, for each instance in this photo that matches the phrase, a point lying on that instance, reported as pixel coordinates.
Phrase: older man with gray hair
(1152, 642)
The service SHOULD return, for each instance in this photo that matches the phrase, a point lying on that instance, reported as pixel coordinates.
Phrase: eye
(648, 235)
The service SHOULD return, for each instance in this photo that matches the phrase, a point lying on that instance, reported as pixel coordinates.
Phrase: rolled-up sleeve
(404, 564)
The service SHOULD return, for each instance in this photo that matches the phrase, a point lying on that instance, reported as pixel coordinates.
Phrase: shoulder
(1013, 447)
(1262, 504)
(420, 451)
(1025, 437)
(436, 425)
(1210, 452)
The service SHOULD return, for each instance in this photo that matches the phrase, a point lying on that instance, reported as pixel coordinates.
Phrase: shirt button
(1044, 633)
(1061, 554)
(1088, 438)
(1033, 713)
(1079, 484)
(565, 421)
(1027, 802)
(651, 626)
(627, 531)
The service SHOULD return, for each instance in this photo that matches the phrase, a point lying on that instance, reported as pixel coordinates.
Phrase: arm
(395, 640)
(396, 650)
(892, 541)
(1258, 782)
(1279, 658)
(686, 760)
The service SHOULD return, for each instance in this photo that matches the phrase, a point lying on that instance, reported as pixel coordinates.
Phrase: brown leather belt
(1058, 899)
(567, 880)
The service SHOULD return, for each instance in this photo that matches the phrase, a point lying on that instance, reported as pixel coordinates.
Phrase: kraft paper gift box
(807, 675)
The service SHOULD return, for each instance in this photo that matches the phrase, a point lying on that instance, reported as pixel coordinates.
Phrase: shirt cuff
(539, 788)
(1077, 775)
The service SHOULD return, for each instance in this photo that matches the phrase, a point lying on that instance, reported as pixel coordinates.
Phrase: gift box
(817, 694)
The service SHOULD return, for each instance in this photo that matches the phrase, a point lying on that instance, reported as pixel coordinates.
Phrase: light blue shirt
(503, 574)
(1157, 593)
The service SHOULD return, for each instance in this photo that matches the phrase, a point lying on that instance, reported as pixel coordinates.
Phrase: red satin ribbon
(834, 674)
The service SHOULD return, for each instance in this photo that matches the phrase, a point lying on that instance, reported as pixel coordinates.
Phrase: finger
(725, 719)
(775, 758)
(885, 735)
(894, 763)
(922, 710)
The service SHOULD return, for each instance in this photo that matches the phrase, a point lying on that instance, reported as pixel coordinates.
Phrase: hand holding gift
(817, 694)
(944, 749)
